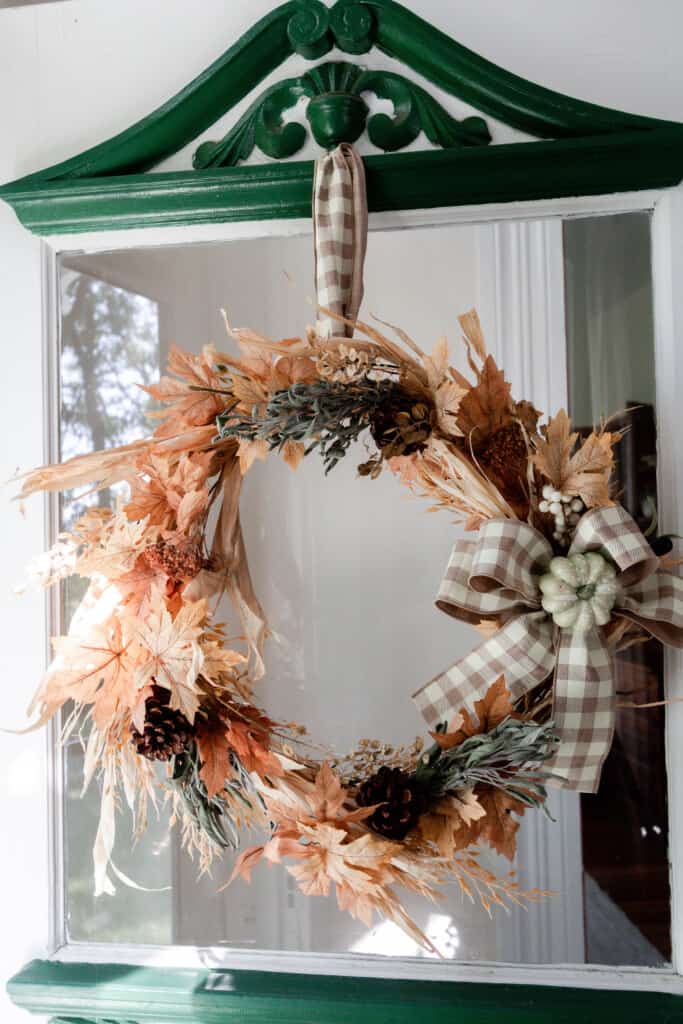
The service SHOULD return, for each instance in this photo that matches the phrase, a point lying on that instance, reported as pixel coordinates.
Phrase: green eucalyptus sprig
(210, 815)
(324, 415)
(510, 757)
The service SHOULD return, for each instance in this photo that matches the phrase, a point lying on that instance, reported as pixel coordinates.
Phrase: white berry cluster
(567, 509)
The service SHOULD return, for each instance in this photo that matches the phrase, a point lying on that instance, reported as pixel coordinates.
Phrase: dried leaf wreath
(146, 674)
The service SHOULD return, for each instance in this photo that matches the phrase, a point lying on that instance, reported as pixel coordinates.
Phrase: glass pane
(347, 570)
(611, 367)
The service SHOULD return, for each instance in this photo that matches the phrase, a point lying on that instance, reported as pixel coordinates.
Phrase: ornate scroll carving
(336, 112)
(315, 29)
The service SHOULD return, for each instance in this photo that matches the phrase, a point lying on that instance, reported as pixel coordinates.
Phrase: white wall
(72, 74)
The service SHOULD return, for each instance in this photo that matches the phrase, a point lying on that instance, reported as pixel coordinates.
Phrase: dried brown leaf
(474, 336)
(249, 736)
(493, 708)
(585, 471)
(487, 406)
(498, 828)
(328, 796)
(293, 452)
(590, 469)
(214, 753)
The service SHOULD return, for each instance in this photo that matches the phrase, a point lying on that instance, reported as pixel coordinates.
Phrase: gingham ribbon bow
(340, 225)
(496, 577)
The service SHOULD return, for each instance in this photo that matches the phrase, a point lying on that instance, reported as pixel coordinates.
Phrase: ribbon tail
(229, 552)
(522, 651)
(340, 226)
(583, 710)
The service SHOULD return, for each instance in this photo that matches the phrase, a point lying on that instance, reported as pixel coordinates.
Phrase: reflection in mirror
(109, 344)
(611, 367)
(347, 570)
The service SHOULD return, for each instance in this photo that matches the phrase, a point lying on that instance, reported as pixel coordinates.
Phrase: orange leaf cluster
(319, 830)
(172, 496)
(189, 395)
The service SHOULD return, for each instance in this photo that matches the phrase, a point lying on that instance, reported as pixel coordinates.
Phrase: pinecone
(166, 731)
(400, 426)
(400, 799)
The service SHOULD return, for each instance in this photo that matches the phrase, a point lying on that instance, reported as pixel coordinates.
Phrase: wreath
(556, 574)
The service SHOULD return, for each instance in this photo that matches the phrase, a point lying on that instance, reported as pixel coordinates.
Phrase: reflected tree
(110, 345)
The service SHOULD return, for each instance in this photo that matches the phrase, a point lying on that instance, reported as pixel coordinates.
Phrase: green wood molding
(396, 181)
(594, 149)
(104, 992)
(337, 113)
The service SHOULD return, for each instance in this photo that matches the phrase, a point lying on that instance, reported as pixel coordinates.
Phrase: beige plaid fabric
(340, 225)
(496, 577)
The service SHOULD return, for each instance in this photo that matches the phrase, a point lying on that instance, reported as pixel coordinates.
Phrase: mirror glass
(347, 570)
(612, 373)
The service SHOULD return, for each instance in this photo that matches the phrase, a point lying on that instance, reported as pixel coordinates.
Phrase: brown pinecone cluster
(401, 802)
(400, 430)
(166, 731)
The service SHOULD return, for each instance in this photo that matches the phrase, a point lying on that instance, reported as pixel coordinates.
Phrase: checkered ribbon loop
(340, 225)
(496, 578)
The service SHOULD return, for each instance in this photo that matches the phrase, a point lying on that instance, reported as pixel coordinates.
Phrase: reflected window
(612, 369)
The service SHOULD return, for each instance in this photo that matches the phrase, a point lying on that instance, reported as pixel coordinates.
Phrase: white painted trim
(578, 206)
(521, 304)
(667, 269)
(352, 965)
(55, 753)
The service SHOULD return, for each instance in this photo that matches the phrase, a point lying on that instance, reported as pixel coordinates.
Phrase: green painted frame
(594, 150)
(116, 994)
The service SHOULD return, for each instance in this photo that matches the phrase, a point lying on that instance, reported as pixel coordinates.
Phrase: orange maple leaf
(249, 737)
(170, 651)
(149, 497)
(493, 708)
(245, 864)
(93, 667)
(584, 471)
(328, 796)
(214, 753)
(498, 828)
(179, 498)
(447, 824)
(188, 407)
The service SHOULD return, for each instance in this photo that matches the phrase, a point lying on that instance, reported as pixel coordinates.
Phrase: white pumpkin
(579, 591)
